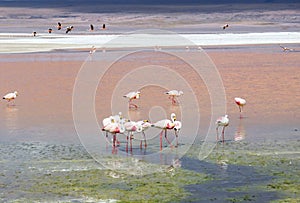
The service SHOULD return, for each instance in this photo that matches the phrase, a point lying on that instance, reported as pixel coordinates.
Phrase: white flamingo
(165, 125)
(222, 121)
(132, 127)
(131, 96)
(174, 93)
(145, 125)
(177, 128)
(110, 125)
(11, 96)
(241, 103)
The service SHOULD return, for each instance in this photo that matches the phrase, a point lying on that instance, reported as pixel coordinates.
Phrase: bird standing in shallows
(114, 125)
(177, 128)
(286, 48)
(145, 125)
(103, 27)
(91, 27)
(132, 127)
(131, 96)
(10, 96)
(174, 93)
(165, 125)
(58, 26)
(93, 50)
(222, 121)
(241, 103)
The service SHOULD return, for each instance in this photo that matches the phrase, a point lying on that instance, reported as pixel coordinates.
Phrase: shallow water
(38, 137)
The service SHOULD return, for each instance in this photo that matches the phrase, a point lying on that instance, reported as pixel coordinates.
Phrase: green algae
(280, 160)
(166, 186)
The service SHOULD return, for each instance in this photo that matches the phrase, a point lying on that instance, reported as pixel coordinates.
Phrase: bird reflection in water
(240, 132)
(11, 118)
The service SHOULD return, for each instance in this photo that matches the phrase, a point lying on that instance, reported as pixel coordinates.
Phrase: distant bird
(69, 29)
(131, 96)
(34, 34)
(93, 50)
(165, 125)
(241, 103)
(50, 30)
(174, 93)
(59, 26)
(225, 26)
(145, 125)
(222, 121)
(286, 48)
(103, 27)
(91, 27)
(10, 96)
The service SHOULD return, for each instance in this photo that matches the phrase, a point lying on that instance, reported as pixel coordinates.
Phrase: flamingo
(177, 128)
(10, 96)
(165, 125)
(145, 125)
(131, 127)
(222, 121)
(225, 26)
(241, 103)
(131, 96)
(111, 125)
(174, 93)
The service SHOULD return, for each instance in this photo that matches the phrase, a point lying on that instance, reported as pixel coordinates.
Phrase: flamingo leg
(114, 139)
(160, 139)
(141, 144)
(176, 134)
(126, 144)
(132, 105)
(167, 138)
(223, 134)
(145, 139)
(131, 138)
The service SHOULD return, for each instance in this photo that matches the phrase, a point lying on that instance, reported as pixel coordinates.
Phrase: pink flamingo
(241, 103)
(222, 121)
(131, 96)
(165, 125)
(174, 93)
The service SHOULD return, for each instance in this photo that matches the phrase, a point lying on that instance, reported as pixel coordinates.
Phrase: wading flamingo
(132, 127)
(174, 93)
(165, 125)
(113, 126)
(10, 96)
(131, 96)
(145, 125)
(241, 103)
(222, 121)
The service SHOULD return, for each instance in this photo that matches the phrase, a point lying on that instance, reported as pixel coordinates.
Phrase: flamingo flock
(119, 125)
